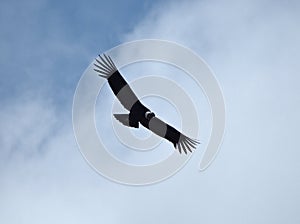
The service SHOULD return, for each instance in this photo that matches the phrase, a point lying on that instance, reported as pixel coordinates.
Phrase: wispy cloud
(253, 48)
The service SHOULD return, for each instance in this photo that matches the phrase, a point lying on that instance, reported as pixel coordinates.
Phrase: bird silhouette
(138, 113)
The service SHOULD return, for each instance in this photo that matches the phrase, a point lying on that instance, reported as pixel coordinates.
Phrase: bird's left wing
(179, 140)
(106, 68)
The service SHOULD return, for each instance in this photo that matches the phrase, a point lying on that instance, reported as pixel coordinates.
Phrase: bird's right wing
(179, 140)
(106, 68)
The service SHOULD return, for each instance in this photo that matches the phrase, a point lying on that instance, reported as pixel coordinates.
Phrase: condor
(138, 113)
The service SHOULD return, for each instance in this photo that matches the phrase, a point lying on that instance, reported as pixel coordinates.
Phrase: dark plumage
(138, 113)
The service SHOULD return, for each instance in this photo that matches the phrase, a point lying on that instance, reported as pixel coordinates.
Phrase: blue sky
(46, 36)
(253, 48)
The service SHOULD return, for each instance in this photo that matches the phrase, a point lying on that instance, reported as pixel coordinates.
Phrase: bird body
(138, 113)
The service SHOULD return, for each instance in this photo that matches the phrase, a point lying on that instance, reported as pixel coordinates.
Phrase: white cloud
(252, 46)
(43, 175)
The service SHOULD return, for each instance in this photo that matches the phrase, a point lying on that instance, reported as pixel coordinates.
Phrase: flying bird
(138, 113)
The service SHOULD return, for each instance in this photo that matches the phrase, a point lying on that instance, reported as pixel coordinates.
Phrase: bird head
(149, 115)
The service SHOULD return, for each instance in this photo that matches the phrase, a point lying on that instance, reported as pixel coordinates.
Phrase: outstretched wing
(179, 140)
(106, 68)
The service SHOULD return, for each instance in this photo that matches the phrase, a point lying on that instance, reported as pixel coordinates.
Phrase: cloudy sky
(253, 48)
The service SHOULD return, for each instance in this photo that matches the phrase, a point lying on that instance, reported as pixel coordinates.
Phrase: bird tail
(104, 66)
(124, 119)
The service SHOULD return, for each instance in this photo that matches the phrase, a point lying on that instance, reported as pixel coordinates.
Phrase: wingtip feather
(105, 66)
(186, 144)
